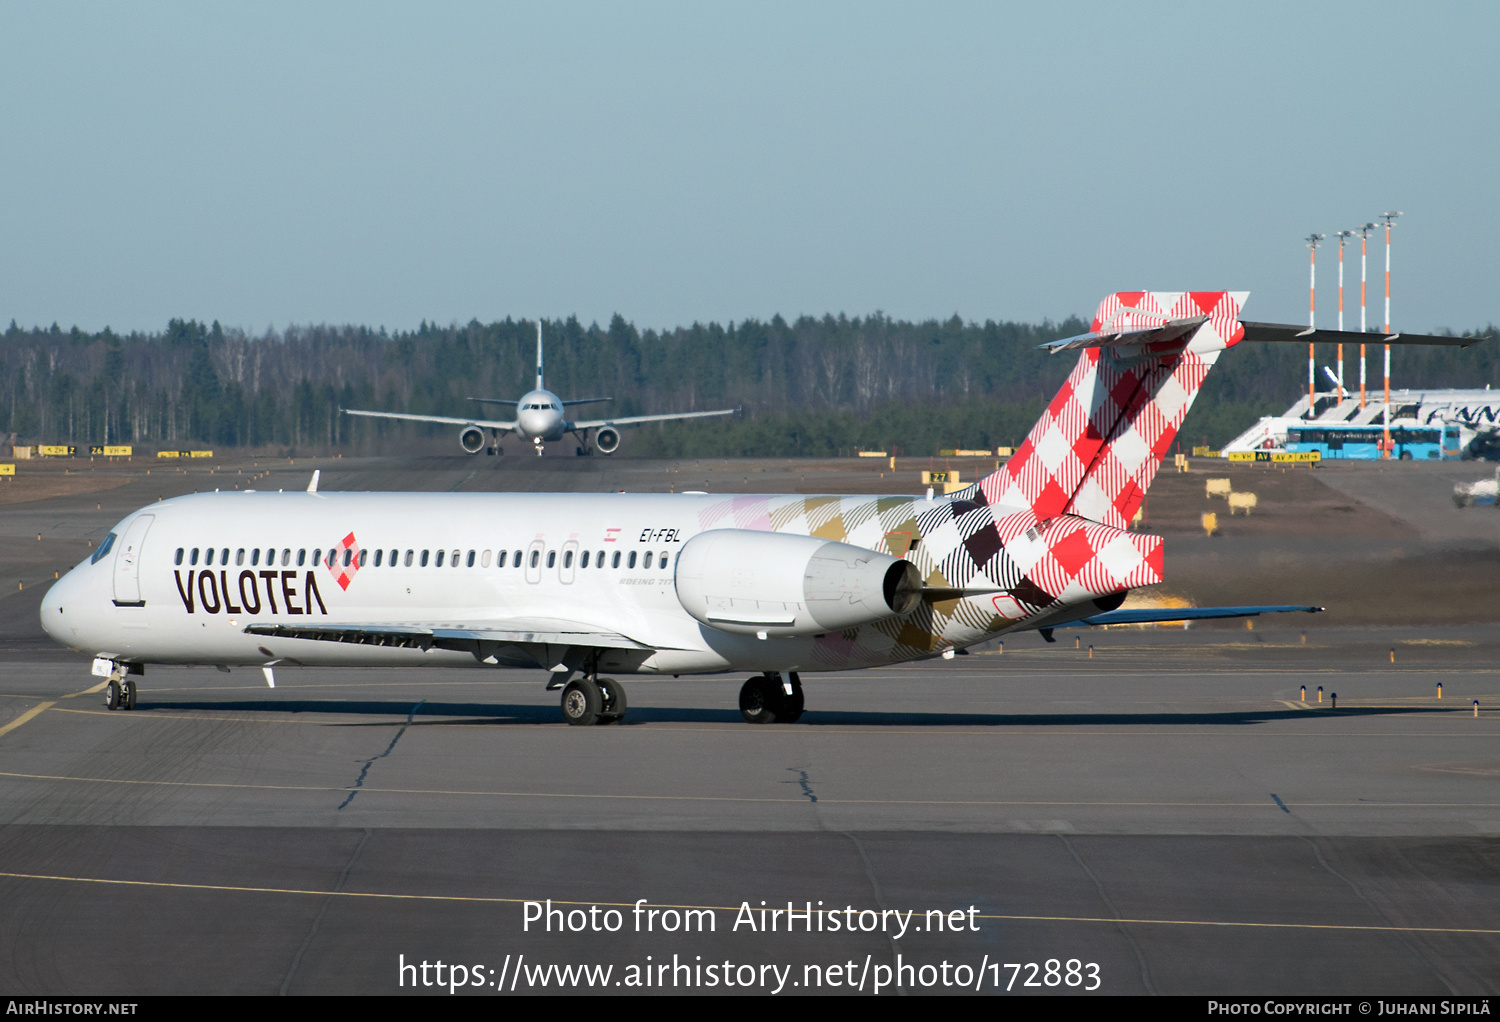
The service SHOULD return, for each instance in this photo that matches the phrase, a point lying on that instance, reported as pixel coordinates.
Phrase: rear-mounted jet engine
(777, 585)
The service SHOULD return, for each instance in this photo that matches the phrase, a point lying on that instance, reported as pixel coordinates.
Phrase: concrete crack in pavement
(359, 782)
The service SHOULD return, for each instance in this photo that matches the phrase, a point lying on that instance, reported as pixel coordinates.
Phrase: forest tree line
(810, 387)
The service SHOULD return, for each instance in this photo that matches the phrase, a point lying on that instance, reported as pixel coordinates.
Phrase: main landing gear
(593, 700)
(772, 698)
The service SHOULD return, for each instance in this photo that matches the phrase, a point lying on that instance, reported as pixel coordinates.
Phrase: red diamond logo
(343, 562)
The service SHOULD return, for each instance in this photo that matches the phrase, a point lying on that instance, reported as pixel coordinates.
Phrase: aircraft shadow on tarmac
(439, 714)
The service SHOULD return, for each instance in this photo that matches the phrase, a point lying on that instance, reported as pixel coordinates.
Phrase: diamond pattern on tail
(1098, 445)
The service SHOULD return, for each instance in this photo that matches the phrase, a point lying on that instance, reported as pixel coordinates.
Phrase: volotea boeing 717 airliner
(539, 417)
(584, 586)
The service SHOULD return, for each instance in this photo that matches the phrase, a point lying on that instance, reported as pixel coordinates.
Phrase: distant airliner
(539, 417)
(579, 585)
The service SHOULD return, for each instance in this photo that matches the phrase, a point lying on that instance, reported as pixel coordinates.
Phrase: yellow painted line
(1022, 803)
(1109, 920)
(31, 695)
(23, 718)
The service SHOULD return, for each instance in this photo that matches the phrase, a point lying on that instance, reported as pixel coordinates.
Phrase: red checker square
(1072, 552)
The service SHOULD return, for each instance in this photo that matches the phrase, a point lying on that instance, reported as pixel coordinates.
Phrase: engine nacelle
(750, 583)
(607, 440)
(471, 439)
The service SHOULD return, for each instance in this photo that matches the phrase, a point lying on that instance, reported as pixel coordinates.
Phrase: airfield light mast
(1364, 237)
(1312, 322)
(1343, 237)
(1389, 218)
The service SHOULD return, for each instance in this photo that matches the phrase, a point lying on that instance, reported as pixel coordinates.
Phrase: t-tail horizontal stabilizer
(1283, 333)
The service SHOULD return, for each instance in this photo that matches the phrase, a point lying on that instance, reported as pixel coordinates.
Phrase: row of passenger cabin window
(420, 558)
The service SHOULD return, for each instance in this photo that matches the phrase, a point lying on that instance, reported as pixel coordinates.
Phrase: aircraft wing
(494, 400)
(1145, 616)
(445, 419)
(631, 420)
(461, 636)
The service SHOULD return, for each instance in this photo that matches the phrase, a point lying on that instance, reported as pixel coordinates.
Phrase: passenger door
(128, 563)
(534, 560)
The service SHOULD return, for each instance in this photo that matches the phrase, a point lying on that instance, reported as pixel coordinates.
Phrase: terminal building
(1424, 424)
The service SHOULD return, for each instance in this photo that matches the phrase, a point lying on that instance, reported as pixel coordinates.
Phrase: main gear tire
(758, 700)
(582, 702)
(613, 701)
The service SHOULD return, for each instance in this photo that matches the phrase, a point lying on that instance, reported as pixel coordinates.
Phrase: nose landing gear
(118, 696)
(119, 690)
(772, 698)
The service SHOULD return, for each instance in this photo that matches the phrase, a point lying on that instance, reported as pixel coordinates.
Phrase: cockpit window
(109, 541)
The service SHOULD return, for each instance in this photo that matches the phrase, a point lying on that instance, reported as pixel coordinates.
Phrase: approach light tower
(1364, 238)
(1312, 323)
(1390, 219)
(1343, 237)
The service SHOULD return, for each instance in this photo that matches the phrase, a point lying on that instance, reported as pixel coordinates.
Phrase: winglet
(312, 487)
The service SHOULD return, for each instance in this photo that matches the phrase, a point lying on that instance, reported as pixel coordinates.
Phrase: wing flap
(453, 636)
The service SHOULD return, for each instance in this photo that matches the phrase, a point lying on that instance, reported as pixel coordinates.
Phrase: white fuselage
(600, 561)
(539, 416)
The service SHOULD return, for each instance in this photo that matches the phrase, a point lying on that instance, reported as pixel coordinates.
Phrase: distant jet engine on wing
(471, 439)
(775, 585)
(607, 440)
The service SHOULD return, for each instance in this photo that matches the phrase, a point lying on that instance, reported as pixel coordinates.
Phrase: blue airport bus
(1439, 440)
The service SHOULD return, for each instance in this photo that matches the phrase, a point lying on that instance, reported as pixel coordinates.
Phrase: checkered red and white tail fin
(1098, 445)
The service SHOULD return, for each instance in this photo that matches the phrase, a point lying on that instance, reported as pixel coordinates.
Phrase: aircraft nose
(56, 605)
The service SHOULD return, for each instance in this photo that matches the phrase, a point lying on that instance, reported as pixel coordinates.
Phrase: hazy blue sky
(264, 164)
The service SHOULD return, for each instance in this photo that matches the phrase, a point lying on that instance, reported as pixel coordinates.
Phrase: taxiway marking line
(485, 899)
(1258, 804)
(23, 718)
(38, 710)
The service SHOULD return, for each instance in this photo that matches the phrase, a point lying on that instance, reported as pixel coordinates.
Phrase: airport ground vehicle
(1409, 442)
(1479, 493)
